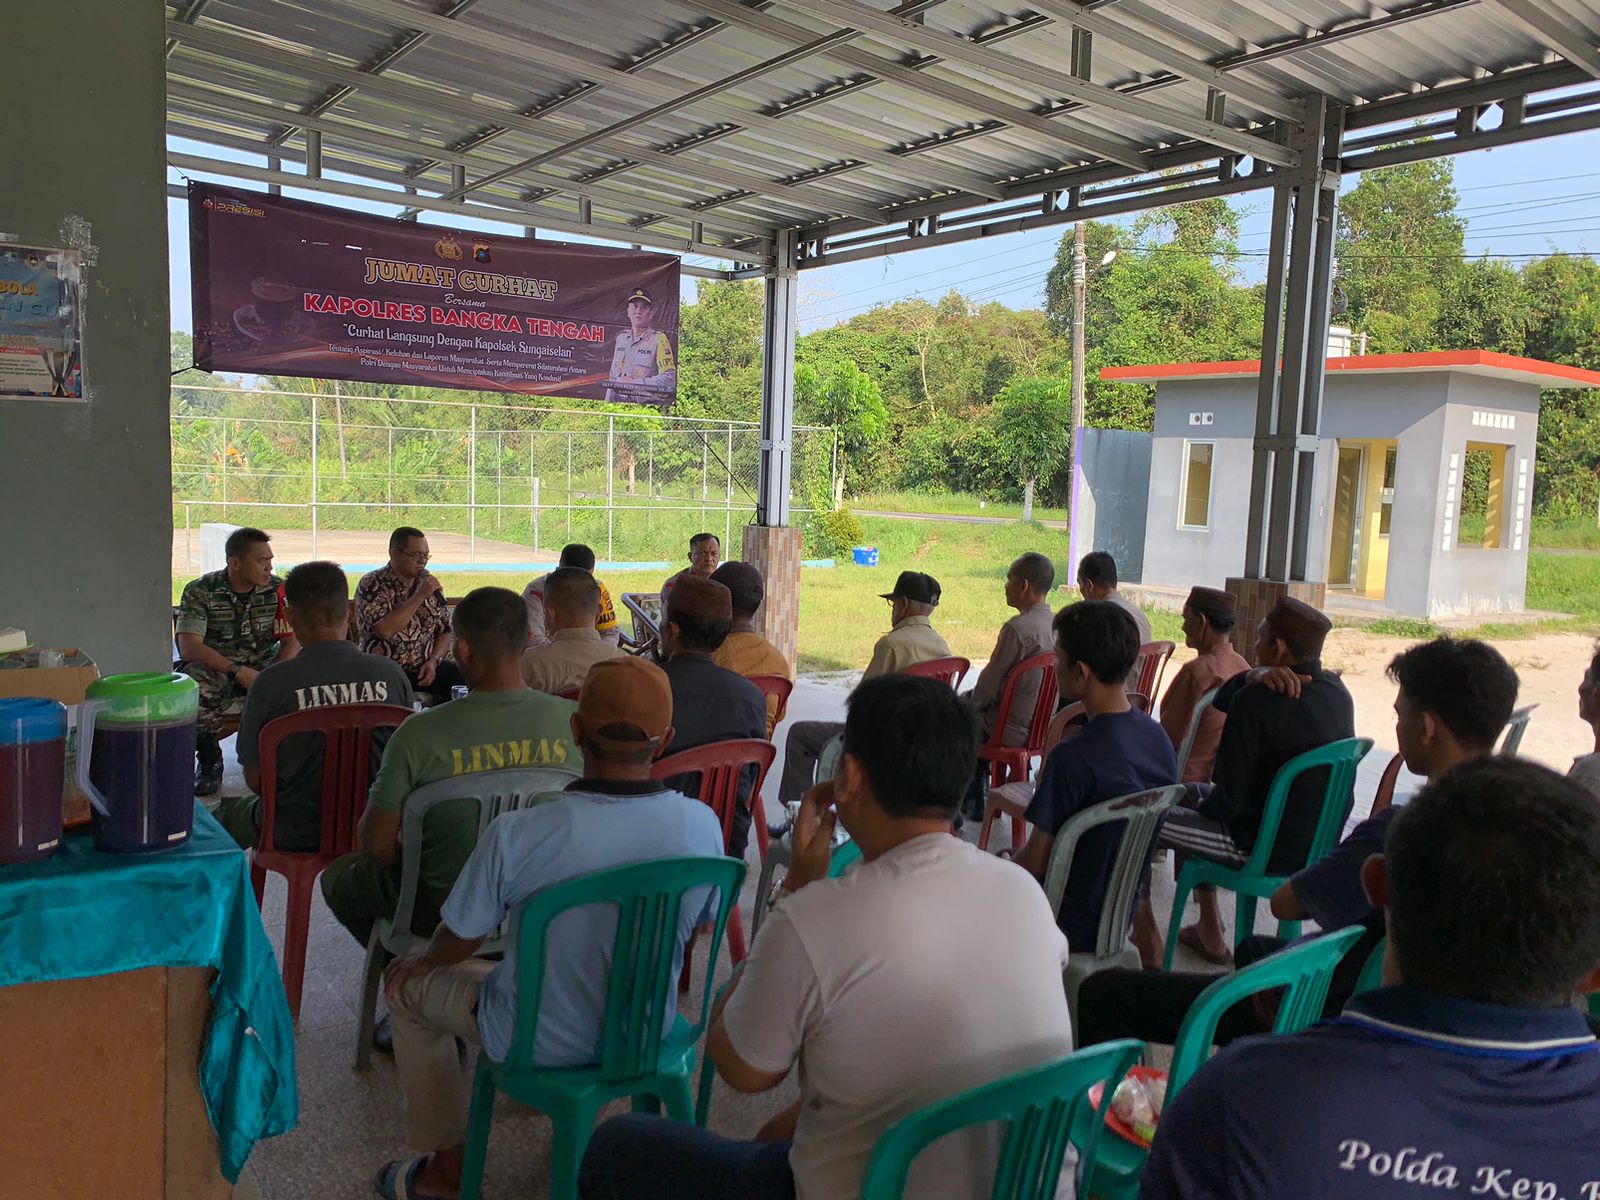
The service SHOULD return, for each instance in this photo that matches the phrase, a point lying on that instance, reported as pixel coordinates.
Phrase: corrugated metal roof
(702, 123)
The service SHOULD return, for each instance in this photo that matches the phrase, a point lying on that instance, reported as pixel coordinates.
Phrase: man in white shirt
(867, 978)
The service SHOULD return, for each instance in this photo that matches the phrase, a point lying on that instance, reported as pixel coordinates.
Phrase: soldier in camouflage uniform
(230, 625)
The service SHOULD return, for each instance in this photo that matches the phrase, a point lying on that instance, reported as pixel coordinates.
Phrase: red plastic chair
(945, 670)
(775, 685)
(346, 773)
(1140, 701)
(719, 766)
(1008, 764)
(1152, 665)
(569, 694)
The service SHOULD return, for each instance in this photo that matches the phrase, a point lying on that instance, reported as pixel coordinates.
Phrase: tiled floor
(350, 1122)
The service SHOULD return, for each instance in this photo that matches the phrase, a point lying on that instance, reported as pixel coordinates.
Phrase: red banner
(287, 287)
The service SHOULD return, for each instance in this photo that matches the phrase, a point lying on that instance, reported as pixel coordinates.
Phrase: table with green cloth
(80, 913)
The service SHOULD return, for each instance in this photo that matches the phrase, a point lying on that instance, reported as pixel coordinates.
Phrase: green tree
(1483, 306)
(1033, 417)
(1171, 294)
(1563, 293)
(833, 391)
(1399, 240)
(719, 351)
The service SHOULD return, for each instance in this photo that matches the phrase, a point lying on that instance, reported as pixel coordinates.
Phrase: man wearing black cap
(1263, 730)
(1208, 618)
(643, 356)
(911, 640)
(709, 703)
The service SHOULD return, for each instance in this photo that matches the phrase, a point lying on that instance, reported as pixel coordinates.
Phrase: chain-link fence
(634, 485)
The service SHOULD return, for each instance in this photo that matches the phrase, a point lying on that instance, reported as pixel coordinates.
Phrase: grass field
(841, 615)
(951, 504)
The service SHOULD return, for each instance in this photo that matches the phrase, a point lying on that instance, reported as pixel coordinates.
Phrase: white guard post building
(1423, 483)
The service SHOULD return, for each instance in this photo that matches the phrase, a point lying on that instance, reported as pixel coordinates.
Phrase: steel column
(1267, 388)
(1293, 355)
(777, 381)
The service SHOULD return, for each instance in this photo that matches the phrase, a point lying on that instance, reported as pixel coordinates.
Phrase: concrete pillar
(775, 552)
(86, 497)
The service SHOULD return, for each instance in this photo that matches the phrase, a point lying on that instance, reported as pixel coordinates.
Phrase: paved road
(1567, 552)
(951, 517)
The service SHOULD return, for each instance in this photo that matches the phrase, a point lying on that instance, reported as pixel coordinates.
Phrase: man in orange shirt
(1208, 620)
(746, 652)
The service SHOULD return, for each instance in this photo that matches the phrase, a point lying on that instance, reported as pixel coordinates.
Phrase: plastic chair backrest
(945, 670)
(1201, 706)
(346, 731)
(1341, 759)
(1372, 972)
(495, 791)
(844, 857)
(720, 766)
(1140, 702)
(1152, 665)
(643, 985)
(1304, 971)
(1037, 1106)
(1384, 796)
(831, 749)
(1140, 813)
(1044, 705)
(1515, 728)
(775, 685)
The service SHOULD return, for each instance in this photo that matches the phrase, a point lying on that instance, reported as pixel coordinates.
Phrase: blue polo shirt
(1114, 754)
(1407, 1094)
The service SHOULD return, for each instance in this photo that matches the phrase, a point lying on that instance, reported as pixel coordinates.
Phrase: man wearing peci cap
(643, 355)
(1208, 619)
(709, 703)
(1263, 729)
(615, 815)
(911, 640)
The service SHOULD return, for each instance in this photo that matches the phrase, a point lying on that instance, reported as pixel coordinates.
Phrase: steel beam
(203, 103)
(305, 63)
(916, 77)
(1061, 83)
(1552, 30)
(338, 187)
(1116, 29)
(777, 381)
(813, 136)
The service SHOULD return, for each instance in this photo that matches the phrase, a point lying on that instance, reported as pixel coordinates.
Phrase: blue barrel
(865, 556)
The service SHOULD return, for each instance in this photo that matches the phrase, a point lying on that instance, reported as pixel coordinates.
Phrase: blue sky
(1518, 200)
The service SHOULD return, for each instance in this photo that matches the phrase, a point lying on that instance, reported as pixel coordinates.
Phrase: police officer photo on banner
(643, 361)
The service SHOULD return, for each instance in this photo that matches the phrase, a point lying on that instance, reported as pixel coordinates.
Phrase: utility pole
(1080, 288)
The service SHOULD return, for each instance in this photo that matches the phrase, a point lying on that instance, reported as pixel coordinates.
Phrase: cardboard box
(21, 675)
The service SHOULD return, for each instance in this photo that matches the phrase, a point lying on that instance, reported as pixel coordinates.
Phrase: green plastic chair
(635, 1057)
(844, 857)
(1139, 813)
(1304, 972)
(1038, 1106)
(1372, 974)
(1251, 882)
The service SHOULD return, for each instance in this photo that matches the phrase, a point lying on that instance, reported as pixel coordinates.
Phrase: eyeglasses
(416, 556)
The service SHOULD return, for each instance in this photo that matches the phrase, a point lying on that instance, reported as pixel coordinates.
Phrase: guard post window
(1386, 496)
(1195, 502)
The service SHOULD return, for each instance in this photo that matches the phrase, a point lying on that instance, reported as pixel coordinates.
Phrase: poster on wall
(287, 287)
(41, 322)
